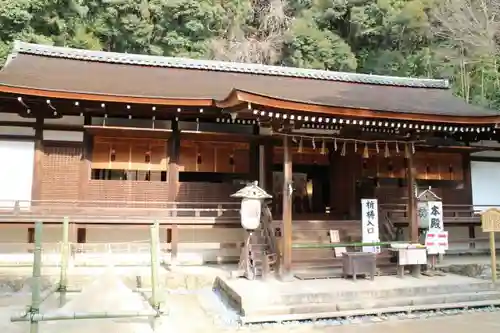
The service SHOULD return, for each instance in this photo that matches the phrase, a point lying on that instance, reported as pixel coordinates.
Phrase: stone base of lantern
(247, 265)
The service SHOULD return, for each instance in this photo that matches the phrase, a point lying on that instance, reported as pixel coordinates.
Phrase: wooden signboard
(490, 222)
(335, 238)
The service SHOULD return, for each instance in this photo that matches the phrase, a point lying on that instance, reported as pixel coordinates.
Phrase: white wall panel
(118, 234)
(66, 120)
(16, 130)
(485, 178)
(15, 117)
(16, 171)
(62, 136)
(487, 153)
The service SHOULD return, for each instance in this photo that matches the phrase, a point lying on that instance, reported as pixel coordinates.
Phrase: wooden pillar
(262, 166)
(86, 161)
(412, 200)
(173, 149)
(466, 167)
(287, 210)
(254, 161)
(38, 159)
(268, 167)
(173, 240)
(332, 170)
(254, 152)
(352, 170)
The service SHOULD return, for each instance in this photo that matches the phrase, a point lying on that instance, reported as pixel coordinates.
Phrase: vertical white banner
(435, 211)
(369, 224)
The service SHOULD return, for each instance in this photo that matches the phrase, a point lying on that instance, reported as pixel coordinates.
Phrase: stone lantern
(429, 206)
(252, 197)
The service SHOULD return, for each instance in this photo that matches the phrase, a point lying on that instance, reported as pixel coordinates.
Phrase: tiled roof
(221, 66)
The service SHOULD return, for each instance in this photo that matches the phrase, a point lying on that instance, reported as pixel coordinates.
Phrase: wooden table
(410, 257)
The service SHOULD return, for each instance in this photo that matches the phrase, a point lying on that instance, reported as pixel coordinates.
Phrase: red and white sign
(436, 242)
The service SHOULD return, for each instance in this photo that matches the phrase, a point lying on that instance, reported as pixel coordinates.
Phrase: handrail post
(174, 244)
(63, 280)
(37, 282)
(155, 264)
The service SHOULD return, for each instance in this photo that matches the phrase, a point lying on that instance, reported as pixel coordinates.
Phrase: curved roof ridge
(222, 66)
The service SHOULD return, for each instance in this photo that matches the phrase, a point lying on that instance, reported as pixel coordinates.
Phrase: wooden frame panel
(129, 154)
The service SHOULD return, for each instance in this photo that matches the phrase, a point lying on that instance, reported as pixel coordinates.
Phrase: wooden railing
(452, 214)
(457, 216)
(118, 211)
(116, 253)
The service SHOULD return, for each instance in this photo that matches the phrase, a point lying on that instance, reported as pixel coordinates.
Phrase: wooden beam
(287, 210)
(78, 96)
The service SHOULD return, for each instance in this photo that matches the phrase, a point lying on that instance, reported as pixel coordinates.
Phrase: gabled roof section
(428, 195)
(222, 66)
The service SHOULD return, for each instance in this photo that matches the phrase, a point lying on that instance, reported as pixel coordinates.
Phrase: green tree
(309, 46)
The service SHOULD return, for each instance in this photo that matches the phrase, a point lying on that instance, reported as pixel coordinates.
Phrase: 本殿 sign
(430, 215)
(369, 224)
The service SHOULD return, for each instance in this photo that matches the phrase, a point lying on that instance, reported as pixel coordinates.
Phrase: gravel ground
(195, 310)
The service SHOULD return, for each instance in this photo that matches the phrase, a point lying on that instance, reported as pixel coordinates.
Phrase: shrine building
(117, 141)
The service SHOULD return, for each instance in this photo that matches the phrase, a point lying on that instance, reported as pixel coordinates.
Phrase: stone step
(375, 303)
(343, 296)
(471, 300)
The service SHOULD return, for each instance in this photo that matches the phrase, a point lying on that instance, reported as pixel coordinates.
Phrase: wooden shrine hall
(120, 140)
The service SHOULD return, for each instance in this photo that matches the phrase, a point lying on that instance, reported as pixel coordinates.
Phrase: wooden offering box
(358, 263)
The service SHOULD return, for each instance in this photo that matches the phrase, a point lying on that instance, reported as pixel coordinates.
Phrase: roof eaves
(171, 62)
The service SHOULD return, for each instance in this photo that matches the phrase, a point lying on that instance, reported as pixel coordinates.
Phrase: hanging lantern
(323, 148)
(366, 154)
(342, 153)
(387, 154)
(301, 148)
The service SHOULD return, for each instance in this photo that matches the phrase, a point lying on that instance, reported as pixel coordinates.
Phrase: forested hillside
(454, 39)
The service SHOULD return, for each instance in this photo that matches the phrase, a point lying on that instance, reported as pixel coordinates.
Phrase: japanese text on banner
(369, 221)
(435, 211)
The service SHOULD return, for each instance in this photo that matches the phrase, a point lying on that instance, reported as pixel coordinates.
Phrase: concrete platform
(273, 300)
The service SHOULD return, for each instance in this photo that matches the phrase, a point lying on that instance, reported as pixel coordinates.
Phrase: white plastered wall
(16, 172)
